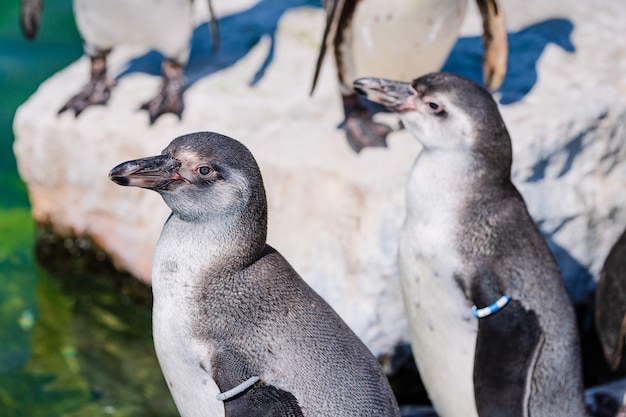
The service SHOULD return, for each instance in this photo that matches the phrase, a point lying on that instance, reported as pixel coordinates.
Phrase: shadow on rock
(239, 33)
(525, 49)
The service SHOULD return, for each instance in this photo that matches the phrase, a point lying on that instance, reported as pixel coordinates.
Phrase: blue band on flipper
(479, 313)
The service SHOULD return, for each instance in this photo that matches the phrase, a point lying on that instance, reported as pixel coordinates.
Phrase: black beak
(153, 173)
(396, 95)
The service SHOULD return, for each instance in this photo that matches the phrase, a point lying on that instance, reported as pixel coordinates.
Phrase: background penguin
(229, 311)
(166, 26)
(610, 304)
(399, 39)
(493, 330)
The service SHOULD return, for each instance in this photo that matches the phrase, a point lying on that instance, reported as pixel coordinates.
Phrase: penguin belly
(443, 330)
(193, 389)
(400, 39)
(163, 25)
(182, 357)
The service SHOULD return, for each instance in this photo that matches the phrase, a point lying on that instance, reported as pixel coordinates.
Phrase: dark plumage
(229, 307)
(611, 304)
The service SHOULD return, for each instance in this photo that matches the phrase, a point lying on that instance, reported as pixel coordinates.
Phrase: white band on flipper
(238, 389)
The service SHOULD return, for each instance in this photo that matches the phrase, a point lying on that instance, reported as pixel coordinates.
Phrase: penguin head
(201, 176)
(442, 110)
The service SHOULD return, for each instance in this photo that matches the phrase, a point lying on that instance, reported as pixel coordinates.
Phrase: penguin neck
(442, 180)
(436, 174)
(189, 253)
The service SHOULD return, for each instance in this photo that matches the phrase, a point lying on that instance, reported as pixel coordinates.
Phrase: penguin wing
(258, 399)
(30, 16)
(610, 300)
(507, 347)
(215, 32)
(495, 42)
(264, 400)
(334, 9)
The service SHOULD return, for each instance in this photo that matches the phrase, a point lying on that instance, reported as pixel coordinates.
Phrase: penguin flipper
(507, 346)
(495, 42)
(264, 400)
(215, 32)
(30, 16)
(334, 9)
(231, 367)
(610, 302)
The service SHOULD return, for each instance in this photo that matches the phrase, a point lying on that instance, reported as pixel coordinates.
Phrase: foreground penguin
(398, 39)
(610, 301)
(166, 26)
(236, 330)
(492, 327)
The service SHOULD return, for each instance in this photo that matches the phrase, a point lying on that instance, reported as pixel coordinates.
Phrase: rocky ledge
(334, 214)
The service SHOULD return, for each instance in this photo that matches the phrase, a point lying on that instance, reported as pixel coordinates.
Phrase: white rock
(333, 214)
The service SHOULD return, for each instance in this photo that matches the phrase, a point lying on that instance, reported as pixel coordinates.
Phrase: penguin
(493, 329)
(398, 39)
(610, 304)
(237, 331)
(166, 26)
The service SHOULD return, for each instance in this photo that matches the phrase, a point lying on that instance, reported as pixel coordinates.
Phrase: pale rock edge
(333, 214)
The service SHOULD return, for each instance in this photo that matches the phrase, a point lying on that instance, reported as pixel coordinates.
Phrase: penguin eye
(204, 170)
(434, 106)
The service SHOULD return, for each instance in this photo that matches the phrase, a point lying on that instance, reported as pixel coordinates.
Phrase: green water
(71, 343)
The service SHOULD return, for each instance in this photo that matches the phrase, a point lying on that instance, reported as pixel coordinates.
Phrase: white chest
(184, 360)
(443, 330)
(401, 40)
(163, 25)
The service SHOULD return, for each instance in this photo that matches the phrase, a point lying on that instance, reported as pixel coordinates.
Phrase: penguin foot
(362, 132)
(164, 103)
(170, 98)
(97, 92)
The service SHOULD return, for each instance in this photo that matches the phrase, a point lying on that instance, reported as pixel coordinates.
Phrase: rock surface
(336, 215)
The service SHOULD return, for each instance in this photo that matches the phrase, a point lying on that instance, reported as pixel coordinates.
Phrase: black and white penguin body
(229, 311)
(493, 329)
(166, 26)
(397, 39)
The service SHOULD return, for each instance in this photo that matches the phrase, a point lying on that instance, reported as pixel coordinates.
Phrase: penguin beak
(396, 95)
(153, 173)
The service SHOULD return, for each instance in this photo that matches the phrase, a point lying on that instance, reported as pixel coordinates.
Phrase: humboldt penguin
(236, 330)
(398, 39)
(493, 328)
(166, 26)
(610, 304)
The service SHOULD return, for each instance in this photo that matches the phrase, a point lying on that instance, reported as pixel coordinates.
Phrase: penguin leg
(361, 130)
(30, 17)
(170, 98)
(495, 42)
(97, 91)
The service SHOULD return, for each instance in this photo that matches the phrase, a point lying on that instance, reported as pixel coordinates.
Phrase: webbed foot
(170, 98)
(96, 92)
(361, 130)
